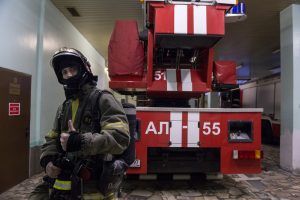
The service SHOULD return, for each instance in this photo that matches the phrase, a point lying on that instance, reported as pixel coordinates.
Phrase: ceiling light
(275, 70)
(73, 12)
(239, 66)
(276, 51)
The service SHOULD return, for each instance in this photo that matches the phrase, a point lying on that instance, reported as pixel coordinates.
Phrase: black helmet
(71, 57)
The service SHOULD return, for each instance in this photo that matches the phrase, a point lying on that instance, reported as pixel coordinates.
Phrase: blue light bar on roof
(236, 13)
(238, 9)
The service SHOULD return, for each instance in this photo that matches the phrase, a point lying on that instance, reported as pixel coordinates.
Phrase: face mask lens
(69, 72)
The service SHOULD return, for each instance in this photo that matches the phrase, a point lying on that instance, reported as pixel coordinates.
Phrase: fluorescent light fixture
(239, 66)
(276, 51)
(275, 70)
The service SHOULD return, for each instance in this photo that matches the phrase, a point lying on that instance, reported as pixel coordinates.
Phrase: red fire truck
(167, 65)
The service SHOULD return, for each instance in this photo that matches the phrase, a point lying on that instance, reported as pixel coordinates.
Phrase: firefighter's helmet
(70, 57)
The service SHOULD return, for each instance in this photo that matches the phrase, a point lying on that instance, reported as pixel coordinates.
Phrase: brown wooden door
(14, 127)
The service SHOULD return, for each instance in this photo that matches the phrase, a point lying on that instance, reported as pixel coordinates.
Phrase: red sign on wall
(14, 109)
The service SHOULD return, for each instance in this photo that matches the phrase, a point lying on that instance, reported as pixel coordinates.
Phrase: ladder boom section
(174, 54)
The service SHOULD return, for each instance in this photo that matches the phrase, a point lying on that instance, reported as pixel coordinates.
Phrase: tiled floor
(272, 183)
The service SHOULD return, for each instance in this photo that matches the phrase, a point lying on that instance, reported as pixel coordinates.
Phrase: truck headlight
(240, 131)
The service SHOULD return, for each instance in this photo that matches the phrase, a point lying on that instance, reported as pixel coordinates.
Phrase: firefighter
(90, 131)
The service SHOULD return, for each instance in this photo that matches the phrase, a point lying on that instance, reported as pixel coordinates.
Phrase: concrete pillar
(290, 88)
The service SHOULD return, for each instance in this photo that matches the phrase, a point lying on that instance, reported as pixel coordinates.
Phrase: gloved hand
(70, 141)
(64, 137)
(52, 171)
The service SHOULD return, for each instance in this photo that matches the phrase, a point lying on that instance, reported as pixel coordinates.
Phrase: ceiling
(251, 43)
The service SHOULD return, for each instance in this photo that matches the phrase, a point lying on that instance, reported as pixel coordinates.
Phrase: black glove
(74, 141)
(46, 159)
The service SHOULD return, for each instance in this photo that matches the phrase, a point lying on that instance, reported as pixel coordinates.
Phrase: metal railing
(196, 2)
(193, 2)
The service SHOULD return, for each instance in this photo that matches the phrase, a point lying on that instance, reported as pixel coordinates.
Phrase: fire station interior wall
(265, 98)
(290, 82)
(32, 30)
(265, 94)
(249, 97)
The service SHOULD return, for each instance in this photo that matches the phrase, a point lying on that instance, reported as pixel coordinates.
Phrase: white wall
(18, 34)
(31, 31)
(265, 98)
(249, 97)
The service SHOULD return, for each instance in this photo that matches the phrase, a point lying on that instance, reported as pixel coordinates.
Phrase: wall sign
(15, 87)
(14, 109)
